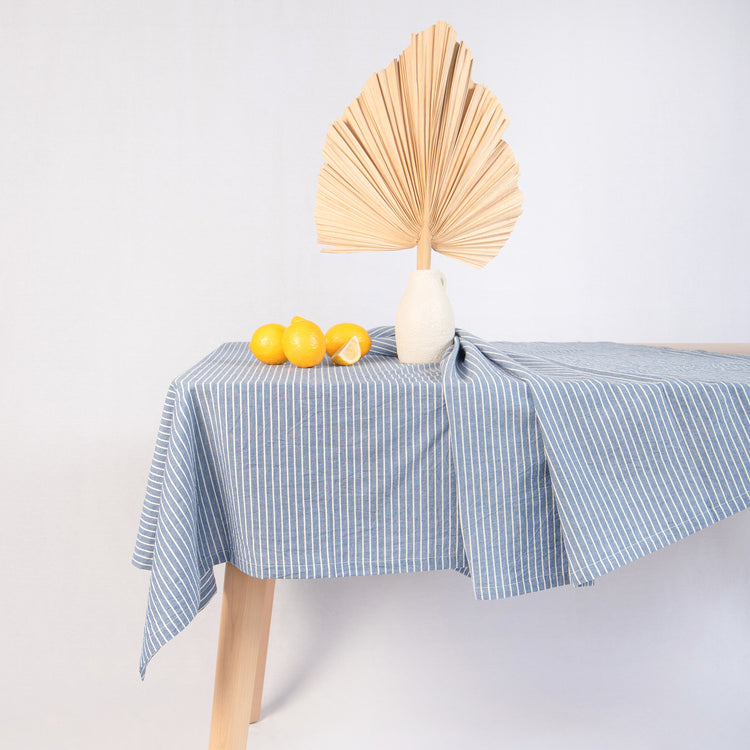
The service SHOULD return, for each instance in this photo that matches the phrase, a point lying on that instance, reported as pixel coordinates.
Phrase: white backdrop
(158, 163)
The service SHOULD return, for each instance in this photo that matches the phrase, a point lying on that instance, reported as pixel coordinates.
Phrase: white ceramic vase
(425, 325)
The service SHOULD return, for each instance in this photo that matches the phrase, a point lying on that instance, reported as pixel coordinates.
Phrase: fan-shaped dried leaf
(418, 159)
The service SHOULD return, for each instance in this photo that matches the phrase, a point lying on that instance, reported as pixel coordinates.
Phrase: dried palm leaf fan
(418, 159)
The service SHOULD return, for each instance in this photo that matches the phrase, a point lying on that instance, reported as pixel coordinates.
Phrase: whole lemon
(338, 335)
(304, 343)
(266, 344)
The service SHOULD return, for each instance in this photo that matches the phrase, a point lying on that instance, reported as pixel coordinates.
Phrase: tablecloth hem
(489, 592)
(675, 533)
(341, 569)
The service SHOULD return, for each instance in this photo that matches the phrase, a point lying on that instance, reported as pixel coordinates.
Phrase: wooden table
(243, 637)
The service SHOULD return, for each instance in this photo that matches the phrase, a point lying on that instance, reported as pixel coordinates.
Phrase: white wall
(158, 163)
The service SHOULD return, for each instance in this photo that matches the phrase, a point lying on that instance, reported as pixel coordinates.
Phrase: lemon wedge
(349, 353)
(338, 335)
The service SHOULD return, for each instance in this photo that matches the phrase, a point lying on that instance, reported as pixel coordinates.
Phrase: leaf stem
(423, 249)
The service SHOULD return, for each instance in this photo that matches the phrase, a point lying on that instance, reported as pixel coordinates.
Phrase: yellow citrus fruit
(266, 344)
(349, 353)
(304, 343)
(297, 319)
(338, 335)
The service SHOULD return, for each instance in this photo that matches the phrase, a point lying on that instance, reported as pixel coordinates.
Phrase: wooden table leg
(241, 659)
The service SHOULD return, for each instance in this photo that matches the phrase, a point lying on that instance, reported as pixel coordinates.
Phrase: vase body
(425, 326)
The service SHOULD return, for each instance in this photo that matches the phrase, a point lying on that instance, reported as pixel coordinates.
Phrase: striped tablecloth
(522, 465)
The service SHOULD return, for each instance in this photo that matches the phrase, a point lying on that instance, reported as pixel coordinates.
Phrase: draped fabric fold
(522, 465)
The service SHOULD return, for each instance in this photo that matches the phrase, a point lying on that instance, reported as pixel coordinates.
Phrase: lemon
(304, 343)
(349, 353)
(266, 344)
(340, 334)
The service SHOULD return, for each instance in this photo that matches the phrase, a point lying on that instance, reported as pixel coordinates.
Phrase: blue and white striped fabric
(525, 466)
